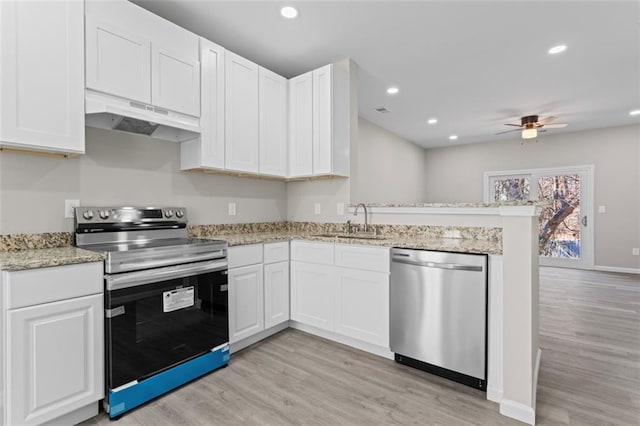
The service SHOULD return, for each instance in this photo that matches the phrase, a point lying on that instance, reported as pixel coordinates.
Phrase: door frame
(587, 245)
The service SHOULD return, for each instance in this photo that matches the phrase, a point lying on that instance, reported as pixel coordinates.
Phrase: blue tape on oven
(130, 397)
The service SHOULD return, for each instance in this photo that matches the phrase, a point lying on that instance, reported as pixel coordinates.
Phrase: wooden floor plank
(589, 373)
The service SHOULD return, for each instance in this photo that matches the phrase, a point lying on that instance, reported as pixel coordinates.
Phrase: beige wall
(390, 169)
(123, 169)
(455, 174)
(384, 169)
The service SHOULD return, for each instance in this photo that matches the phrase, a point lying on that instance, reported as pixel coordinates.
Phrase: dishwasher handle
(437, 265)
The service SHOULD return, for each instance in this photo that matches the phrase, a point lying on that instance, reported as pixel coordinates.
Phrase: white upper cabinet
(42, 76)
(175, 81)
(322, 120)
(241, 114)
(301, 125)
(207, 151)
(273, 123)
(319, 121)
(139, 56)
(118, 61)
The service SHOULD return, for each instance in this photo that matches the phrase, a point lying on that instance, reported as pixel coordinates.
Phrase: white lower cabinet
(276, 293)
(362, 305)
(258, 292)
(347, 294)
(56, 353)
(53, 344)
(246, 302)
(312, 294)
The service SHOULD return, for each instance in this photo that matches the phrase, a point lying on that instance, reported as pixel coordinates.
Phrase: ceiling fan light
(529, 133)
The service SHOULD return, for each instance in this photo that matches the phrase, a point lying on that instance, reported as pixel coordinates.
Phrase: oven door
(158, 318)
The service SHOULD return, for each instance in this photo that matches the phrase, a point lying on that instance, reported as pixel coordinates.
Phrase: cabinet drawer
(245, 255)
(312, 252)
(362, 257)
(44, 285)
(276, 252)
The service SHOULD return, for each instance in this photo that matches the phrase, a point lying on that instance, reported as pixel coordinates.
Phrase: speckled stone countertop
(43, 258)
(467, 239)
(29, 251)
(461, 205)
(461, 245)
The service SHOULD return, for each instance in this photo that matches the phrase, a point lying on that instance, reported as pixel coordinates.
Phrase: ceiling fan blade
(548, 120)
(515, 125)
(555, 126)
(508, 131)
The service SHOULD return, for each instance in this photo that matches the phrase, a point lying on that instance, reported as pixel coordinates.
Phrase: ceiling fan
(530, 125)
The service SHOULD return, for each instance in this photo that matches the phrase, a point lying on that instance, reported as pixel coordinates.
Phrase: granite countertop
(419, 242)
(42, 258)
(27, 251)
(460, 205)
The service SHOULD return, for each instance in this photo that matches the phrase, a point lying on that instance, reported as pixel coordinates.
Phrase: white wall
(302, 197)
(455, 174)
(390, 168)
(124, 169)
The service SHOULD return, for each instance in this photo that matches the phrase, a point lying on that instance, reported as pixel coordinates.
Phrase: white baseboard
(518, 411)
(494, 394)
(354, 343)
(616, 269)
(76, 416)
(238, 346)
(535, 378)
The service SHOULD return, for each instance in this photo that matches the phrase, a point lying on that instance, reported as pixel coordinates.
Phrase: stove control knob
(168, 213)
(104, 214)
(88, 214)
(179, 214)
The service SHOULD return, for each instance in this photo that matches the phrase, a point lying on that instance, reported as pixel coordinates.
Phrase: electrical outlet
(232, 209)
(635, 251)
(68, 207)
(340, 209)
(602, 209)
(317, 209)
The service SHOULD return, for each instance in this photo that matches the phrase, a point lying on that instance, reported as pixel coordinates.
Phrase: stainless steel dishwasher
(438, 313)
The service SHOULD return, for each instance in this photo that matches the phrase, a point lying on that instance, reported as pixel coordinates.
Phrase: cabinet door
(312, 294)
(42, 75)
(246, 302)
(207, 151)
(175, 81)
(301, 125)
(118, 60)
(56, 359)
(362, 305)
(322, 120)
(273, 123)
(241, 109)
(276, 293)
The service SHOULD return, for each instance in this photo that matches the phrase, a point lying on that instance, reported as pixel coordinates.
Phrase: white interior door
(566, 228)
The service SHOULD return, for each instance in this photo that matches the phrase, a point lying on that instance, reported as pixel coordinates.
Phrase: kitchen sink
(356, 236)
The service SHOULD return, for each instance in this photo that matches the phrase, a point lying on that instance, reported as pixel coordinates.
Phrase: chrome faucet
(366, 216)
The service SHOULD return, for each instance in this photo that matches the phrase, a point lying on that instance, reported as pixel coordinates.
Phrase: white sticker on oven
(177, 299)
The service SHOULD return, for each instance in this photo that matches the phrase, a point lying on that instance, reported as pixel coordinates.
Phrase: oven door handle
(117, 266)
(132, 279)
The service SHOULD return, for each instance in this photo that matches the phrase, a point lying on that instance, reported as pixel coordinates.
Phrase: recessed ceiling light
(392, 90)
(634, 112)
(453, 137)
(432, 120)
(289, 12)
(557, 49)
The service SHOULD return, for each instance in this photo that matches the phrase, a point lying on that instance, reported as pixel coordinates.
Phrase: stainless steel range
(166, 305)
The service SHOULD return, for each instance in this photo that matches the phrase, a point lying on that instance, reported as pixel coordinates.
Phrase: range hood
(114, 113)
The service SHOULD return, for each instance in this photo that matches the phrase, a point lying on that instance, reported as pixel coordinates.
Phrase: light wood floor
(589, 373)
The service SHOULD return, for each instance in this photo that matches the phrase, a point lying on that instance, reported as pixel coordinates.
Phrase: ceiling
(474, 65)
